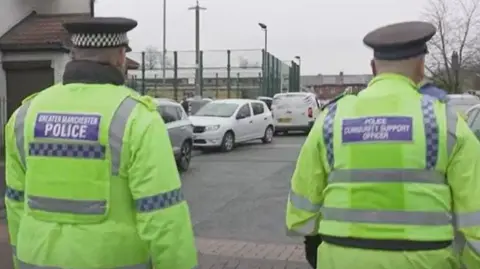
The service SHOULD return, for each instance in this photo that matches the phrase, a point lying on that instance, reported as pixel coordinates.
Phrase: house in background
(34, 47)
(328, 86)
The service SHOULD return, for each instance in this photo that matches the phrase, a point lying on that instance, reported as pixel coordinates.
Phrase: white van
(294, 111)
(461, 103)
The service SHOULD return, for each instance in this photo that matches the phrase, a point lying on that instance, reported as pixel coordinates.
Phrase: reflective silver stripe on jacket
(464, 220)
(387, 175)
(387, 217)
(303, 203)
(67, 206)
(23, 265)
(20, 131)
(97, 151)
(307, 228)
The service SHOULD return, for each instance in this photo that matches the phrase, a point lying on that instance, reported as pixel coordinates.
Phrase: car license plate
(285, 120)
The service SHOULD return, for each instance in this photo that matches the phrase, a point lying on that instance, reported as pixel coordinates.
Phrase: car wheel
(268, 135)
(228, 142)
(183, 161)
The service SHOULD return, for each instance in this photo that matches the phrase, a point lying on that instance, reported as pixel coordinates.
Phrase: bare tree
(152, 58)
(458, 30)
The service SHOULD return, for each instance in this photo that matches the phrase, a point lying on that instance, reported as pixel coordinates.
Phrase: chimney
(341, 77)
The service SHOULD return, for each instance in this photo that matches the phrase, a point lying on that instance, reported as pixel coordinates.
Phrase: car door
(243, 123)
(172, 118)
(185, 127)
(260, 119)
(473, 121)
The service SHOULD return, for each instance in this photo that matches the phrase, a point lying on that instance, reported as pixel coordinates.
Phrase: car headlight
(212, 127)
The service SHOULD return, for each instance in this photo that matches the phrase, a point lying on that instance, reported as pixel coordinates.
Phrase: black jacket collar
(89, 72)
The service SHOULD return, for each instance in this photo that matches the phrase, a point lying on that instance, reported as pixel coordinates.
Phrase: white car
(295, 111)
(224, 123)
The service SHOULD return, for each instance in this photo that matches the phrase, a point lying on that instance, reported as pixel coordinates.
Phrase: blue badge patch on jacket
(68, 126)
(370, 129)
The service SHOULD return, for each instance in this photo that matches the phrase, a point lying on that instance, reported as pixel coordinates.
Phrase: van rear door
(293, 109)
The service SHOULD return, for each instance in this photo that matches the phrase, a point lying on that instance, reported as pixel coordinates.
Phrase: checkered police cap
(99, 40)
(100, 32)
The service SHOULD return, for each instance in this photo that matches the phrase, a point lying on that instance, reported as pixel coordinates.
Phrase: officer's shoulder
(29, 98)
(145, 101)
(337, 99)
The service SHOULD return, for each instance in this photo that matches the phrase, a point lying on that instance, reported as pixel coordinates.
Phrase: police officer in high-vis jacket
(386, 176)
(92, 182)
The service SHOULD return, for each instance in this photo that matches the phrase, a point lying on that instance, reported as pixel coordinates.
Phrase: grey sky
(327, 34)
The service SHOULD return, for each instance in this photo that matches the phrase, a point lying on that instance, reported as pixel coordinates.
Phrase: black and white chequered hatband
(99, 40)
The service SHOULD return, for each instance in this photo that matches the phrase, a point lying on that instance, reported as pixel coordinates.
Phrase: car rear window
(293, 101)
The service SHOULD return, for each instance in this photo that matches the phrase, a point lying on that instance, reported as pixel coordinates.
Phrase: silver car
(180, 131)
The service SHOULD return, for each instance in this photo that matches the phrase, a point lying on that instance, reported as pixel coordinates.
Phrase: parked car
(462, 103)
(224, 123)
(294, 111)
(180, 131)
(267, 100)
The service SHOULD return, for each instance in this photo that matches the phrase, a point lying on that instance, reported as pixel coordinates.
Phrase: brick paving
(218, 254)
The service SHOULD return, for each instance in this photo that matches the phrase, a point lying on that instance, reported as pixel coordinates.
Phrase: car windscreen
(217, 110)
(195, 105)
(292, 101)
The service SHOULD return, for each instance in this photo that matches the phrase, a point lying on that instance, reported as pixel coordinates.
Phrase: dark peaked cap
(401, 40)
(100, 32)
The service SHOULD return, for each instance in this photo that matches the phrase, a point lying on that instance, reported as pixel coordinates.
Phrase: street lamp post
(198, 90)
(164, 56)
(264, 60)
(264, 28)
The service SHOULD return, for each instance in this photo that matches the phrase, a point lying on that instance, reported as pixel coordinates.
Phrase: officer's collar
(391, 76)
(89, 72)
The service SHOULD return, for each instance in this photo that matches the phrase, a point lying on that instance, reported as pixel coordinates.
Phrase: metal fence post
(143, 72)
(229, 83)
(264, 71)
(201, 72)
(260, 86)
(175, 75)
(238, 85)
(216, 85)
(268, 74)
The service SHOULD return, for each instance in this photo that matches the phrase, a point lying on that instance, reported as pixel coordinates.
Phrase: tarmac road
(239, 198)
(237, 201)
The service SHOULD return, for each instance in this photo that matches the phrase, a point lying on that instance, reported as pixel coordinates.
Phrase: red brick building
(328, 86)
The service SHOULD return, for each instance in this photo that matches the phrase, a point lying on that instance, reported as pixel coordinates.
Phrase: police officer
(387, 175)
(91, 178)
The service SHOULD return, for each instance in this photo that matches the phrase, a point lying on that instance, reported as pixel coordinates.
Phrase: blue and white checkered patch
(159, 201)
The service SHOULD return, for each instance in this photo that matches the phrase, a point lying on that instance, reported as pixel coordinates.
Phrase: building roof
(44, 32)
(39, 32)
(131, 64)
